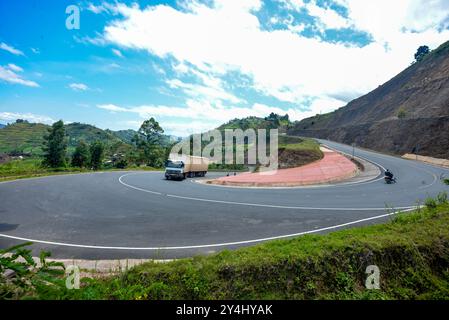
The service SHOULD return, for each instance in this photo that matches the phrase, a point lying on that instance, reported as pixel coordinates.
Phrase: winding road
(140, 215)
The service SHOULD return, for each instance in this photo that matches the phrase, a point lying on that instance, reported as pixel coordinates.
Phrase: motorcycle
(390, 180)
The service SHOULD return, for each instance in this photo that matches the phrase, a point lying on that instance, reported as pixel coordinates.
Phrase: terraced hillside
(24, 137)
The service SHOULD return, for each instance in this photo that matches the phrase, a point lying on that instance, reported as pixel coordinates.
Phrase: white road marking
(254, 204)
(208, 245)
(423, 187)
(136, 188)
(284, 207)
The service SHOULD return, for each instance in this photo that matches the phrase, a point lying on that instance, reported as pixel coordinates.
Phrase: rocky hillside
(409, 111)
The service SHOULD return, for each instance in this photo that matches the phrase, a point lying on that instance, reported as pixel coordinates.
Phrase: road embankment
(334, 167)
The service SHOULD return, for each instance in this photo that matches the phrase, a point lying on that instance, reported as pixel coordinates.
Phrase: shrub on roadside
(442, 198)
(28, 278)
(430, 203)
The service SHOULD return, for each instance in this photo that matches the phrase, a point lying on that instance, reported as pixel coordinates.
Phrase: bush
(442, 198)
(29, 279)
(431, 203)
(402, 113)
(446, 181)
(121, 164)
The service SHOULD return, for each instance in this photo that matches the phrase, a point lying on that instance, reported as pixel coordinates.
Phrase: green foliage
(442, 198)
(151, 131)
(55, 146)
(421, 53)
(29, 279)
(446, 181)
(273, 121)
(23, 138)
(32, 167)
(402, 113)
(278, 120)
(96, 155)
(151, 149)
(430, 203)
(81, 156)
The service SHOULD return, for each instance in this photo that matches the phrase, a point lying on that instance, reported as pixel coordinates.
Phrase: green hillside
(80, 131)
(27, 137)
(124, 135)
(273, 121)
(22, 137)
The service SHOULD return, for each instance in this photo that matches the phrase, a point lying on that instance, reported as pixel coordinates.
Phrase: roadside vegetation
(55, 156)
(410, 250)
(33, 150)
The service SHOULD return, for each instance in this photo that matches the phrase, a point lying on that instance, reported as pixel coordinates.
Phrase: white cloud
(35, 50)
(328, 18)
(8, 74)
(14, 67)
(209, 93)
(296, 5)
(78, 87)
(117, 52)
(13, 116)
(11, 49)
(385, 19)
(113, 108)
(181, 129)
(102, 8)
(209, 115)
(210, 42)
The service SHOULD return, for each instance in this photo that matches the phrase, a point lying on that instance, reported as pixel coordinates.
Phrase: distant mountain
(80, 131)
(2, 125)
(124, 135)
(409, 111)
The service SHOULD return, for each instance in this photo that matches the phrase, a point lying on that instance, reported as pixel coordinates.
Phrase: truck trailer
(180, 167)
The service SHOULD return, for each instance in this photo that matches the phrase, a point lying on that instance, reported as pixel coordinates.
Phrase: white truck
(180, 167)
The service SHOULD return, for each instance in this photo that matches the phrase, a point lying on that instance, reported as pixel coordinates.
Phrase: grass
(411, 251)
(31, 168)
(296, 143)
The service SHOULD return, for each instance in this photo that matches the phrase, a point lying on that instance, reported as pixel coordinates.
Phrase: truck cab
(174, 170)
(180, 167)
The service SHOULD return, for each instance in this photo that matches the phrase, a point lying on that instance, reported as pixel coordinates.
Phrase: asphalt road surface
(141, 215)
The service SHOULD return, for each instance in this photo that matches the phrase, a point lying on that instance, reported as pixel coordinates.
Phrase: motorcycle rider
(389, 175)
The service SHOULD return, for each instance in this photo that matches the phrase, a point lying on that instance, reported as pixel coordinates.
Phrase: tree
(402, 113)
(96, 155)
(55, 146)
(80, 157)
(151, 131)
(421, 53)
(148, 142)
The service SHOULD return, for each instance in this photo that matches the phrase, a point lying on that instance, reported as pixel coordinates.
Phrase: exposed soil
(408, 114)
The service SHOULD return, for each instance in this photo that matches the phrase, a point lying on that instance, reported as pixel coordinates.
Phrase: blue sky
(196, 64)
